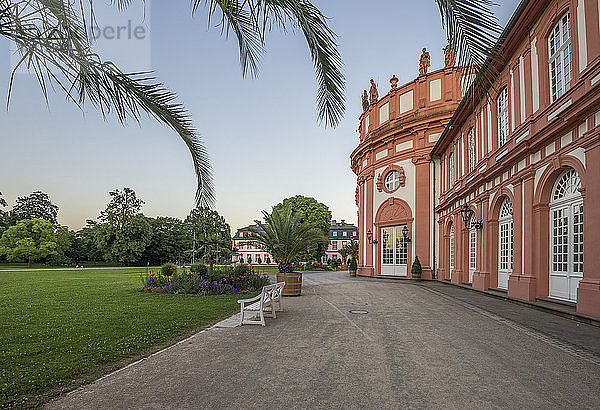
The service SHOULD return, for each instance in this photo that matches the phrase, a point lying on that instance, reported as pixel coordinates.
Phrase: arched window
(505, 243)
(472, 148)
(503, 116)
(472, 248)
(559, 64)
(566, 236)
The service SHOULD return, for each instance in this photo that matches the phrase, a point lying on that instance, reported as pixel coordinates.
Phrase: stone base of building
(426, 274)
(588, 297)
(365, 271)
(481, 281)
(457, 277)
(522, 287)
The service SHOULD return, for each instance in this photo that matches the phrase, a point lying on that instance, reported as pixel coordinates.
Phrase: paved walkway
(418, 346)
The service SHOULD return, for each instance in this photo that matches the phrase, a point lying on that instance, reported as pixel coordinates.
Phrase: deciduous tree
(30, 240)
(35, 205)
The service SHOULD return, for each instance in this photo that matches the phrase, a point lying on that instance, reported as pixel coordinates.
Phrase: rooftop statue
(374, 95)
(450, 53)
(424, 62)
(394, 81)
(365, 101)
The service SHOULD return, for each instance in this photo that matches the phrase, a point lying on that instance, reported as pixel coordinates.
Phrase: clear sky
(262, 135)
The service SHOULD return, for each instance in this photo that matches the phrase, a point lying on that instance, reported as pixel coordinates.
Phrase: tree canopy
(35, 205)
(212, 233)
(29, 240)
(314, 213)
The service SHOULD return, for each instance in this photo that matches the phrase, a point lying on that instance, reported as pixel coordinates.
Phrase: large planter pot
(352, 272)
(293, 283)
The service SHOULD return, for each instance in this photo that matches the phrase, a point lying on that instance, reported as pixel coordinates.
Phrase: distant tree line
(122, 234)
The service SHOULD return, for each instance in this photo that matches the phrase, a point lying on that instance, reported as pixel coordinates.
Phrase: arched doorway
(566, 236)
(451, 251)
(505, 243)
(472, 248)
(393, 219)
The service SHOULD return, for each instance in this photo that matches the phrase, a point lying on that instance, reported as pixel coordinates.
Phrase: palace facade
(503, 197)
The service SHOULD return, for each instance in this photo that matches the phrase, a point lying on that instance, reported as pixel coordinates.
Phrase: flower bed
(219, 281)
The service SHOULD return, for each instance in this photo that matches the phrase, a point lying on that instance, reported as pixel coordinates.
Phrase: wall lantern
(467, 214)
(405, 234)
(370, 238)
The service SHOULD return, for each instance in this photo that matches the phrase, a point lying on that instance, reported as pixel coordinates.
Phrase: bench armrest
(250, 300)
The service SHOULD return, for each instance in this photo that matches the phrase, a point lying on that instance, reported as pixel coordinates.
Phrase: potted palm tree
(284, 236)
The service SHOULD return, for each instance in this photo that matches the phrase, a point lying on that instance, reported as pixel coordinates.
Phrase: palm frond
(52, 42)
(250, 20)
(473, 30)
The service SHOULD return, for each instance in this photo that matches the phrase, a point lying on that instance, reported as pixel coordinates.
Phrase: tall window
(451, 165)
(503, 116)
(559, 50)
(471, 146)
(451, 248)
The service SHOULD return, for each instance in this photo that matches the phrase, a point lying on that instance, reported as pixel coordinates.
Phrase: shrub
(416, 269)
(353, 264)
(168, 268)
(217, 282)
(242, 268)
(199, 268)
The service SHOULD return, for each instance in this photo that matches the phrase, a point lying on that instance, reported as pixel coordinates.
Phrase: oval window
(392, 180)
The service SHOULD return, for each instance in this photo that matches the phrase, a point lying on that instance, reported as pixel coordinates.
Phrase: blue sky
(262, 135)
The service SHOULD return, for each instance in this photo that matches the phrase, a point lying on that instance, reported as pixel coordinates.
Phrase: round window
(392, 180)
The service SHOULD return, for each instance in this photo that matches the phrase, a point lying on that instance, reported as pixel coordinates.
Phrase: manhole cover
(358, 312)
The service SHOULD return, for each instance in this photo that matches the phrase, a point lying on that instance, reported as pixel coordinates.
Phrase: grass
(266, 269)
(11, 265)
(61, 329)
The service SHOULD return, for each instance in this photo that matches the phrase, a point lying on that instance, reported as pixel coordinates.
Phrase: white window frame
(566, 237)
(392, 180)
(451, 166)
(472, 148)
(503, 107)
(560, 61)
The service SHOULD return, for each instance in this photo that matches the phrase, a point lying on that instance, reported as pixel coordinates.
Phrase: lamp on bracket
(372, 240)
(467, 213)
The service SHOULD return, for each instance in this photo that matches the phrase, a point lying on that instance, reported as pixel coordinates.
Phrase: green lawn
(266, 269)
(60, 329)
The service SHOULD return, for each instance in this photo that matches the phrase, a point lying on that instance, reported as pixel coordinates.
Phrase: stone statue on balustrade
(450, 56)
(365, 101)
(374, 95)
(424, 62)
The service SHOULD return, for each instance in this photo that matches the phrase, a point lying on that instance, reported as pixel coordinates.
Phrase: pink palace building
(495, 190)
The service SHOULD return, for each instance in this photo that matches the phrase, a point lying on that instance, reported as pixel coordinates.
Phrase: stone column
(517, 239)
(523, 286)
(422, 215)
(481, 279)
(588, 294)
(369, 263)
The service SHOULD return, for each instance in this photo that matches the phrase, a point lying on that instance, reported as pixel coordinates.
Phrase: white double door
(566, 248)
(394, 257)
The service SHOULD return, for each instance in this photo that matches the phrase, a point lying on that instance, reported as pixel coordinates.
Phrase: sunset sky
(262, 134)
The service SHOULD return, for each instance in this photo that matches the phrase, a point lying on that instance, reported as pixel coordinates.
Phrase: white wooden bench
(253, 310)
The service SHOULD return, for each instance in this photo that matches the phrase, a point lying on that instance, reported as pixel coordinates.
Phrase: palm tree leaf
(52, 41)
(473, 30)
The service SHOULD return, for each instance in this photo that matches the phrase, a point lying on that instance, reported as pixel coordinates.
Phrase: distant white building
(340, 234)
